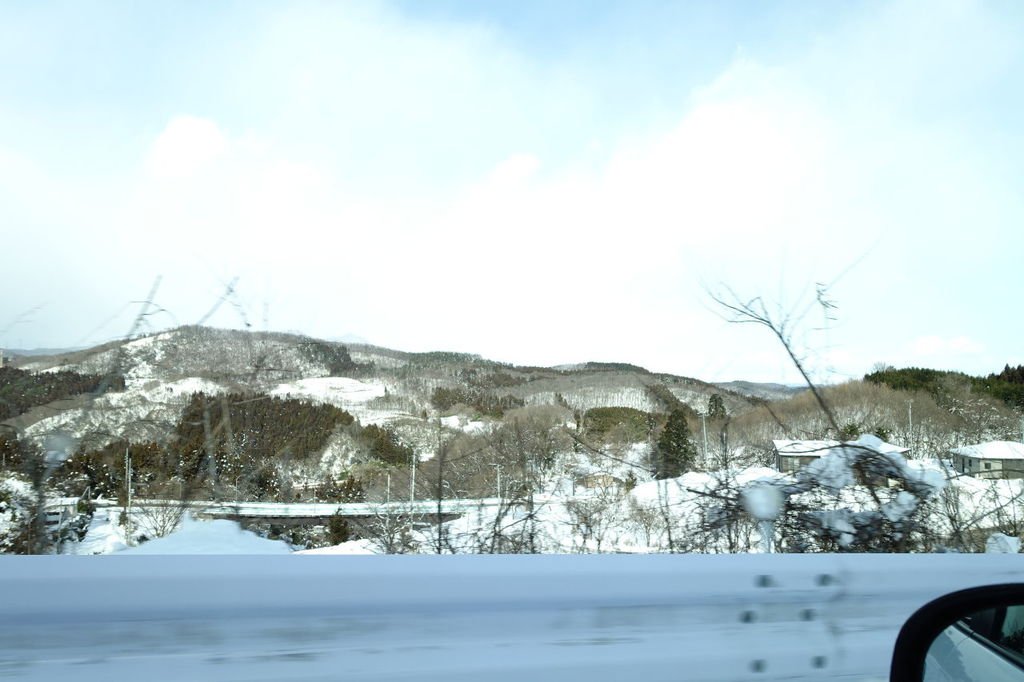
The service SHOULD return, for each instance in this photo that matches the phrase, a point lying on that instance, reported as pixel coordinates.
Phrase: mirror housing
(930, 622)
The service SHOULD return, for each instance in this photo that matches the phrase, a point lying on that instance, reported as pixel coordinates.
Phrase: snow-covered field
(461, 423)
(351, 395)
(338, 391)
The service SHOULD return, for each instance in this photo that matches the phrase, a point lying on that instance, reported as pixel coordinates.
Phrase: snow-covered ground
(103, 536)
(210, 537)
(609, 518)
(352, 547)
(580, 506)
(354, 396)
(338, 391)
(143, 411)
(462, 423)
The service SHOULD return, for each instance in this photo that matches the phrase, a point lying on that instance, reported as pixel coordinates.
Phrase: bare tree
(755, 312)
(166, 507)
(391, 528)
(816, 511)
(594, 515)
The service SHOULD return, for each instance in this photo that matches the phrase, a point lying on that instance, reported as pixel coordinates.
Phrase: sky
(539, 183)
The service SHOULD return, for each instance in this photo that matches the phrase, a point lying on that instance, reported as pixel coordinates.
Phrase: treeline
(484, 402)
(383, 445)
(101, 472)
(250, 437)
(248, 431)
(441, 358)
(485, 379)
(614, 367)
(20, 391)
(664, 395)
(334, 357)
(231, 354)
(245, 444)
(625, 424)
(1007, 386)
(12, 452)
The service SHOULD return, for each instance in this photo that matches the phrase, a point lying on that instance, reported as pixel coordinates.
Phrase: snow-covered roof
(821, 447)
(997, 449)
(804, 447)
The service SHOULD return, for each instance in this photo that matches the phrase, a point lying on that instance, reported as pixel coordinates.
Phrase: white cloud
(748, 181)
(187, 145)
(427, 185)
(942, 347)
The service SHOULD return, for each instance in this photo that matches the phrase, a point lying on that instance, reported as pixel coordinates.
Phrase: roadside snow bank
(352, 547)
(998, 543)
(210, 537)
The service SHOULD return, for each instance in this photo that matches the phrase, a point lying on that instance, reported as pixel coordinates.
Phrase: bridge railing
(211, 508)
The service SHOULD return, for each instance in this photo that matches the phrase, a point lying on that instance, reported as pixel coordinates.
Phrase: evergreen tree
(716, 407)
(338, 530)
(675, 453)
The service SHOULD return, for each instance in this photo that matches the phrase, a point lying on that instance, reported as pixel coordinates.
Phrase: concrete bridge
(312, 513)
(297, 514)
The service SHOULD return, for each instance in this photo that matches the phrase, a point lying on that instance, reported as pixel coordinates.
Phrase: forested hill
(226, 414)
(218, 354)
(20, 391)
(160, 370)
(1007, 385)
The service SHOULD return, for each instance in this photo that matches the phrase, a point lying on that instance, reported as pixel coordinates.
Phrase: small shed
(994, 459)
(791, 455)
(600, 480)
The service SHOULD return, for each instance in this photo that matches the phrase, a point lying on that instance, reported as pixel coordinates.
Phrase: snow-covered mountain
(375, 384)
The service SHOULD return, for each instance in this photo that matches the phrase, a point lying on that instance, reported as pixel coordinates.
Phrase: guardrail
(462, 618)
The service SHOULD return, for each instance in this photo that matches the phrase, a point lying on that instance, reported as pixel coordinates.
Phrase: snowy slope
(143, 411)
(358, 398)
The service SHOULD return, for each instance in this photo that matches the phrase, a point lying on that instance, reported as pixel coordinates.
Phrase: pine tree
(675, 453)
(716, 407)
(338, 530)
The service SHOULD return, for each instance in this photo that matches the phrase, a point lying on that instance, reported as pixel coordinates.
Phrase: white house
(995, 459)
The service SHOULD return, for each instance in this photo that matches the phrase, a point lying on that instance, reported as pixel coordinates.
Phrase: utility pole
(388, 498)
(910, 423)
(128, 495)
(412, 480)
(442, 453)
(704, 428)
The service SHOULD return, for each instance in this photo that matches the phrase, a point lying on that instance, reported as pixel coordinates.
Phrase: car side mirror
(971, 635)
